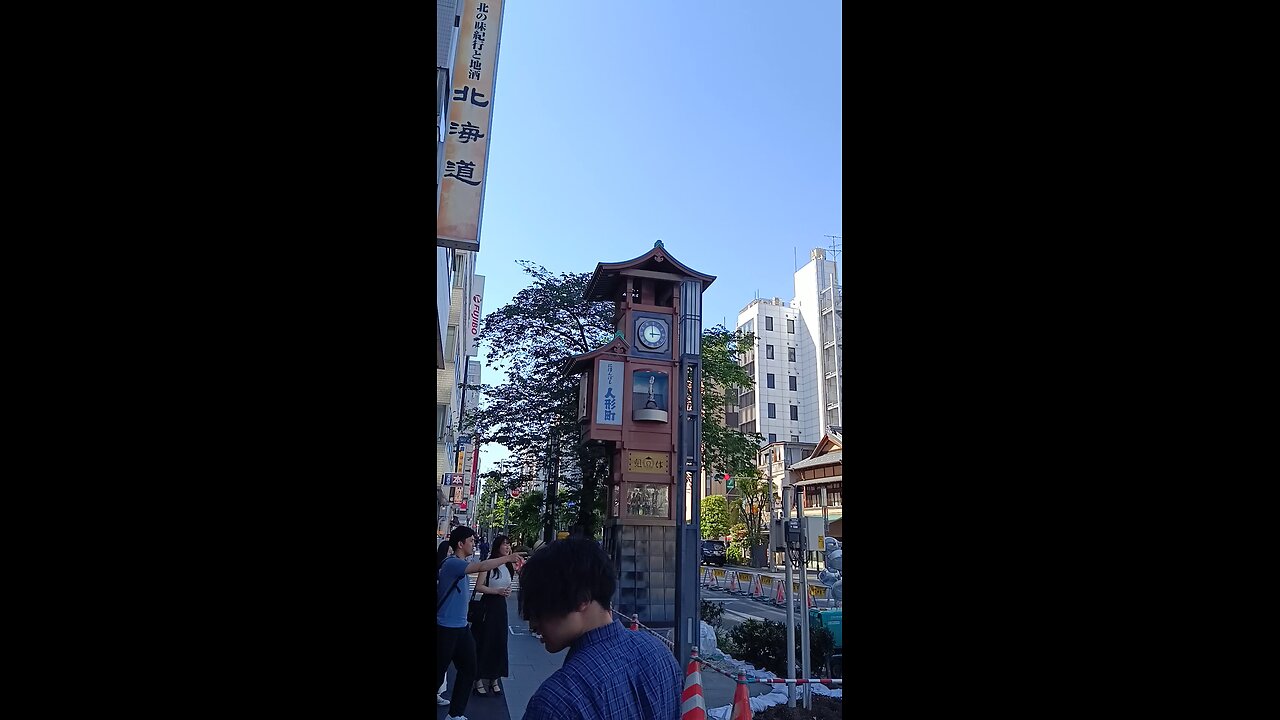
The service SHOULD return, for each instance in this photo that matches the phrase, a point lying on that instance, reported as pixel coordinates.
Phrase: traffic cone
(733, 583)
(692, 706)
(755, 588)
(808, 599)
(741, 700)
(780, 599)
(635, 622)
(706, 578)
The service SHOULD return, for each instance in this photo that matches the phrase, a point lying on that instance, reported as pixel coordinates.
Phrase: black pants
(457, 646)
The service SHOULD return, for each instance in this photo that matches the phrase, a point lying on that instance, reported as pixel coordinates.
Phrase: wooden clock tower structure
(640, 397)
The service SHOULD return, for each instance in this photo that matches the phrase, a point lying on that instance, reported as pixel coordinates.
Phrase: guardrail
(761, 587)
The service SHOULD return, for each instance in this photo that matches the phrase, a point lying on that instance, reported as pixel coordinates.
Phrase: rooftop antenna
(795, 263)
(835, 246)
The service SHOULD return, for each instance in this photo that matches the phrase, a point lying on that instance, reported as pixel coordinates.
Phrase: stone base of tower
(645, 559)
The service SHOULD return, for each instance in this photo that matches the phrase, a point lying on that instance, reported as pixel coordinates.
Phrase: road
(739, 609)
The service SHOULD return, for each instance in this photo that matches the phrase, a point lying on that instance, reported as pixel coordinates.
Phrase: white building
(796, 359)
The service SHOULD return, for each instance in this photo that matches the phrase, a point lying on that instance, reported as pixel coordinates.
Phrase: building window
(795, 438)
(773, 437)
(769, 380)
(791, 353)
(442, 420)
(768, 352)
(768, 323)
(773, 410)
(459, 267)
(451, 337)
(792, 382)
(791, 326)
(795, 412)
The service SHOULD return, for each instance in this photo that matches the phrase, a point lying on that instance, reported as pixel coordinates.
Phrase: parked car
(713, 552)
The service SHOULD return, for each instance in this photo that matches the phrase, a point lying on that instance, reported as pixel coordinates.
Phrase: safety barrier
(634, 623)
(763, 588)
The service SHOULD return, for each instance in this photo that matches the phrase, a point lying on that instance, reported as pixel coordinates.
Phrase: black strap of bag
(446, 595)
(451, 588)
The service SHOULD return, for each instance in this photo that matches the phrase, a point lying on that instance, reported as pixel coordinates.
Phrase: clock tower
(640, 399)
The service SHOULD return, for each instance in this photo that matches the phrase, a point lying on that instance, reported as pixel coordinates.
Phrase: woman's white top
(499, 578)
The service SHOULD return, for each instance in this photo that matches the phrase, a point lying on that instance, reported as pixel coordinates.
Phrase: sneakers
(441, 701)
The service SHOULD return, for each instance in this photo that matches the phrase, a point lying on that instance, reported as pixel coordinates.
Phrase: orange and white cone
(741, 700)
(780, 599)
(635, 622)
(733, 583)
(692, 706)
(756, 588)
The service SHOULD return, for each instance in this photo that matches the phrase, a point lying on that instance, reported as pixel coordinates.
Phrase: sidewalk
(531, 664)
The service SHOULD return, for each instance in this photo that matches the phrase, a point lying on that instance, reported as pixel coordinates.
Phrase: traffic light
(728, 482)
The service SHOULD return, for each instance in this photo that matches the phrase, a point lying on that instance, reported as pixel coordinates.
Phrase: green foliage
(753, 501)
(764, 644)
(725, 449)
(533, 413)
(725, 643)
(715, 516)
(711, 612)
(738, 543)
(824, 708)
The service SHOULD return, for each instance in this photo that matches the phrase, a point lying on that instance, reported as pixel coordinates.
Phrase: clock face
(652, 333)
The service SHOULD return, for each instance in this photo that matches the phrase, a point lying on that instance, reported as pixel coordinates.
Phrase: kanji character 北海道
(463, 171)
(466, 92)
(465, 132)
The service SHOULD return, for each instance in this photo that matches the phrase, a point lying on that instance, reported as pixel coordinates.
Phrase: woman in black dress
(491, 631)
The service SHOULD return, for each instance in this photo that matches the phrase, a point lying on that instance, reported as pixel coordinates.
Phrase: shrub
(764, 644)
(824, 708)
(725, 643)
(712, 612)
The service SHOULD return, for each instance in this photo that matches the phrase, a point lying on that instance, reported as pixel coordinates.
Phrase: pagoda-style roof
(580, 363)
(604, 282)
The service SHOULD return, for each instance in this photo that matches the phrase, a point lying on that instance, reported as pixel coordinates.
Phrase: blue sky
(712, 125)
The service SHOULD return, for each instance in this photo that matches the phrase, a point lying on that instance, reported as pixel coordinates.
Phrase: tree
(715, 516)
(533, 413)
(753, 500)
(725, 449)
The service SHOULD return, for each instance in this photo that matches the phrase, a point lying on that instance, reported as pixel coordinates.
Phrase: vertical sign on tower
(609, 393)
(466, 146)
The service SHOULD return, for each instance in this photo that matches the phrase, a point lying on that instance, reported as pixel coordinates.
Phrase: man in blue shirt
(610, 673)
(455, 642)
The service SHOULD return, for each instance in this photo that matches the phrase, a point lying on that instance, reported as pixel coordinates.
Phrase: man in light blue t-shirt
(456, 643)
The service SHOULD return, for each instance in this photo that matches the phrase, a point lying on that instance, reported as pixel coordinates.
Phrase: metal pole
(804, 607)
(791, 616)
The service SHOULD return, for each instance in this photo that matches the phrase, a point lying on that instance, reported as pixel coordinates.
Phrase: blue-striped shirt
(611, 673)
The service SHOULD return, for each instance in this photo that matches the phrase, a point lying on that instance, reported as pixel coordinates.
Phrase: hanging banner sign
(466, 146)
